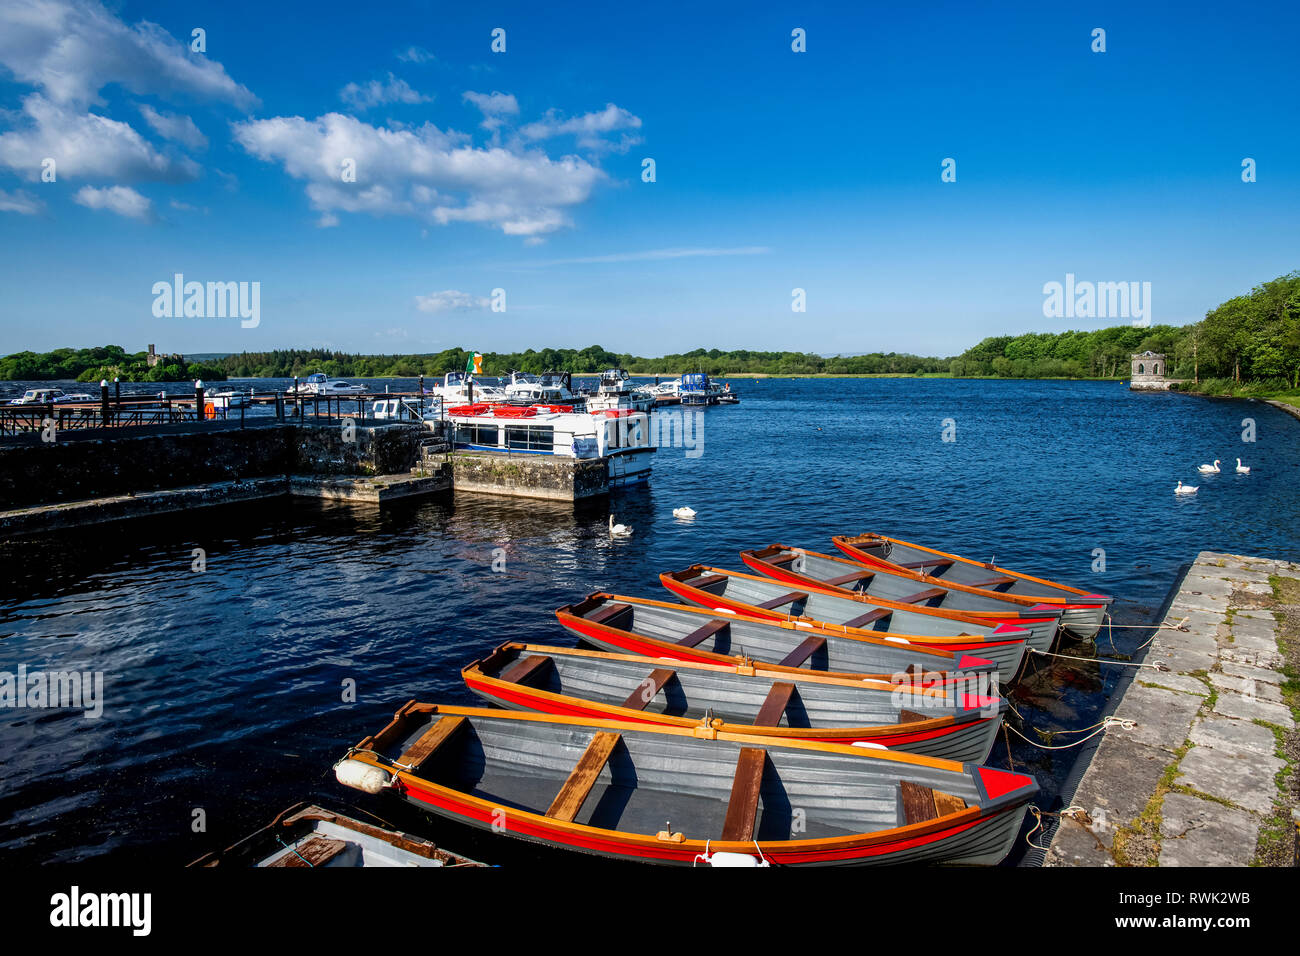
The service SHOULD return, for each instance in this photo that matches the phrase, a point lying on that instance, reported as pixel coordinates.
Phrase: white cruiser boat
(621, 436)
(51, 396)
(551, 388)
(456, 386)
(396, 408)
(617, 393)
(318, 383)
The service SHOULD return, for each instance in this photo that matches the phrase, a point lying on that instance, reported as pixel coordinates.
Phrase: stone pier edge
(1197, 777)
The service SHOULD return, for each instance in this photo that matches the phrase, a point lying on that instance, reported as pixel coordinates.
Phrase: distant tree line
(1251, 340)
(100, 363)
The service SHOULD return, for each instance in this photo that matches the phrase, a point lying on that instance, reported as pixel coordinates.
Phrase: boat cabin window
(469, 434)
(530, 437)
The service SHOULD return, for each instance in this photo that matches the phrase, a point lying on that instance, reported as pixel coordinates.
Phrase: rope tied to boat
(1158, 665)
(1099, 728)
(1074, 811)
(295, 852)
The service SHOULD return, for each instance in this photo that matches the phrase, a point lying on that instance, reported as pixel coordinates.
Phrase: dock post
(117, 395)
(198, 400)
(103, 402)
(422, 396)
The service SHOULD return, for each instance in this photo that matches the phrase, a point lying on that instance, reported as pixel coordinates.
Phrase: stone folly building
(1149, 370)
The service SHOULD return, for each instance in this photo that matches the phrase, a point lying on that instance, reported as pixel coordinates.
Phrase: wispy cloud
(650, 255)
(381, 92)
(415, 54)
(119, 199)
(451, 300)
(174, 126)
(21, 202)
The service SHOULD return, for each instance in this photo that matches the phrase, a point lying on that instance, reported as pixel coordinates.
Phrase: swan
(689, 512)
(1183, 489)
(619, 530)
(1242, 469)
(1210, 469)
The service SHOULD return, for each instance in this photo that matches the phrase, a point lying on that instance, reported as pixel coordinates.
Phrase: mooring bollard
(198, 400)
(103, 401)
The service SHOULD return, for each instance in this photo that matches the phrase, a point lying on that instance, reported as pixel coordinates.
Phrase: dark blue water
(224, 687)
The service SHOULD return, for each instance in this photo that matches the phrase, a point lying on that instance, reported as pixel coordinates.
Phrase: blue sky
(775, 170)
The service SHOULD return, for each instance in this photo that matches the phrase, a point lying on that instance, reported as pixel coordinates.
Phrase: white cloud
(590, 128)
(119, 199)
(85, 145)
(451, 300)
(426, 173)
(494, 106)
(379, 92)
(71, 49)
(175, 127)
(661, 254)
(20, 201)
(415, 54)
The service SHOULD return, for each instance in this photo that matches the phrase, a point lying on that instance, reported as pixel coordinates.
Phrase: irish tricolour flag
(475, 364)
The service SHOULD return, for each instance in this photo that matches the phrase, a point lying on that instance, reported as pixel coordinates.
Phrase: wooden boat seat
(930, 563)
(528, 671)
(649, 688)
(851, 578)
(783, 600)
(870, 617)
(777, 700)
(707, 581)
(810, 646)
(573, 794)
(921, 803)
(782, 560)
(702, 634)
(927, 595)
(315, 852)
(742, 809)
(991, 582)
(612, 615)
(430, 740)
(910, 716)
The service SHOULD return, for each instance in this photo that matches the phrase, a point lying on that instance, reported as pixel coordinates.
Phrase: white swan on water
(1242, 469)
(1209, 469)
(1183, 489)
(683, 512)
(619, 530)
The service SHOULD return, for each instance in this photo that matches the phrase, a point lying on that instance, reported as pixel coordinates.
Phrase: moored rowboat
(877, 583)
(677, 796)
(630, 625)
(955, 722)
(760, 597)
(1082, 611)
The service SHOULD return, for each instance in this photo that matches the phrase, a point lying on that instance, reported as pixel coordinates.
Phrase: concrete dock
(1205, 773)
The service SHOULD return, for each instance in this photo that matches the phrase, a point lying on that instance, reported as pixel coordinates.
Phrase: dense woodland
(1251, 342)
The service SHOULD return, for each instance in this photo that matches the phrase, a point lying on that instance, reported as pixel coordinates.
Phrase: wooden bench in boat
(774, 705)
(931, 563)
(612, 615)
(706, 582)
(810, 646)
(870, 617)
(742, 809)
(782, 560)
(528, 671)
(429, 741)
(702, 634)
(927, 595)
(315, 852)
(649, 688)
(776, 602)
(922, 803)
(853, 577)
(573, 794)
(996, 582)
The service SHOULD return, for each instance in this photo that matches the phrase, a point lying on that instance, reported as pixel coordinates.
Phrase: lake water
(224, 688)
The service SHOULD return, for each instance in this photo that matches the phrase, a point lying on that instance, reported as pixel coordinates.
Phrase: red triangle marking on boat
(1000, 782)
(977, 701)
(1004, 628)
(968, 661)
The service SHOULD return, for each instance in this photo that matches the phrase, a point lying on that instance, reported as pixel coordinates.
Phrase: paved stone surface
(1197, 832)
(1233, 736)
(1232, 759)
(1236, 777)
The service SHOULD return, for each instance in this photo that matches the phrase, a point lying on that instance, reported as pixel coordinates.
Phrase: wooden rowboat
(309, 836)
(672, 795)
(1082, 612)
(759, 597)
(876, 583)
(630, 625)
(941, 721)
